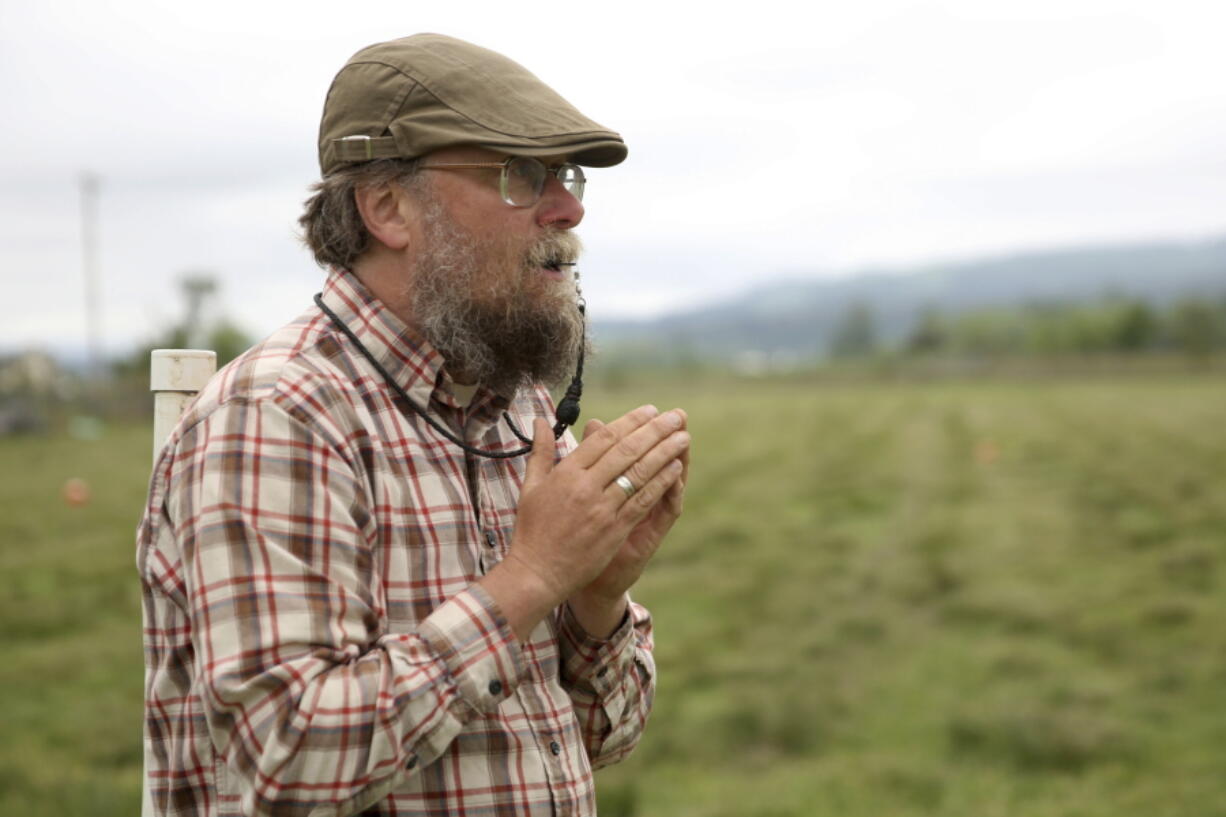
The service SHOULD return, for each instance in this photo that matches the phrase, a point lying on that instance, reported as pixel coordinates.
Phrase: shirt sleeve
(314, 707)
(611, 682)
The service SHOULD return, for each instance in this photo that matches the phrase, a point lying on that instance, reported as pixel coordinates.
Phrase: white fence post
(175, 377)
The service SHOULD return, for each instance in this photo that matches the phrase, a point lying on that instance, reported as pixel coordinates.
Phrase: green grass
(70, 686)
(979, 599)
(963, 599)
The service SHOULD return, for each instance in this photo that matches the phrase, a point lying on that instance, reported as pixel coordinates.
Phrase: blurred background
(941, 284)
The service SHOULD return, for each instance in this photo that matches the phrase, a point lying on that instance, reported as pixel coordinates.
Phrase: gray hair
(332, 227)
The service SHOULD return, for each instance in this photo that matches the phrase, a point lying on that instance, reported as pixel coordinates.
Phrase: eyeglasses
(523, 178)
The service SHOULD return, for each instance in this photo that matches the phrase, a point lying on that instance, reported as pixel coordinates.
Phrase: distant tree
(931, 333)
(228, 340)
(855, 335)
(223, 337)
(1114, 324)
(199, 328)
(1135, 327)
(990, 332)
(1193, 326)
(1092, 327)
(1047, 329)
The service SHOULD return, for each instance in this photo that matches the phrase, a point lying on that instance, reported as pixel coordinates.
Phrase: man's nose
(558, 207)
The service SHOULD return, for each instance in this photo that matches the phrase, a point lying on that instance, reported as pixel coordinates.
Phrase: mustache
(555, 248)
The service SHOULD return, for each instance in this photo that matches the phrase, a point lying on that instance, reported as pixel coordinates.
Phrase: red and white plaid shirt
(314, 641)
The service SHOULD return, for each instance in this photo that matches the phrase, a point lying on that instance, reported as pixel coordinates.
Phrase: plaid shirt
(314, 640)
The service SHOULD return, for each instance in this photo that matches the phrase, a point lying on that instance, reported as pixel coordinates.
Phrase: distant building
(29, 381)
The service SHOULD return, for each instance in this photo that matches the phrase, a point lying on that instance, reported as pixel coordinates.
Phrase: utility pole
(89, 258)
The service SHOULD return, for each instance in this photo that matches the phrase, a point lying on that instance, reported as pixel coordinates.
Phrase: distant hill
(798, 317)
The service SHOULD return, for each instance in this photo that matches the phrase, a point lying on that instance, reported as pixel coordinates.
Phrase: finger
(675, 497)
(629, 450)
(685, 456)
(591, 427)
(540, 459)
(641, 471)
(644, 499)
(602, 439)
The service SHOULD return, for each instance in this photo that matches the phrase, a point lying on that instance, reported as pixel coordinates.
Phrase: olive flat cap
(408, 97)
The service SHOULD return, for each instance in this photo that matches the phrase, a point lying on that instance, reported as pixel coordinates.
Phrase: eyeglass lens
(525, 179)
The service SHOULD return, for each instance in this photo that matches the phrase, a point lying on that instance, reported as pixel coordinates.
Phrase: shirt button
(412, 762)
(491, 539)
(495, 687)
(555, 748)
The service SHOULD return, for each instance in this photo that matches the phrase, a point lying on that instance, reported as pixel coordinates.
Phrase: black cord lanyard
(567, 412)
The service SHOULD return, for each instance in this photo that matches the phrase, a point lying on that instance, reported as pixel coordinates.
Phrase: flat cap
(408, 97)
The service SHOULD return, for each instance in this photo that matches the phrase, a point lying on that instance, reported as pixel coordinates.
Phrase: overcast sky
(765, 141)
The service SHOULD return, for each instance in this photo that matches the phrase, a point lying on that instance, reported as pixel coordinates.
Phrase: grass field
(1000, 598)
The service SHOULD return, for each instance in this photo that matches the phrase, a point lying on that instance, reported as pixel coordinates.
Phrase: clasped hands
(580, 537)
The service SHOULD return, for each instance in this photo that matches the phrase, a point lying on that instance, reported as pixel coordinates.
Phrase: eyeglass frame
(503, 177)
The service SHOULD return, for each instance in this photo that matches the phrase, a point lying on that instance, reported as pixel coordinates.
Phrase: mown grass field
(997, 598)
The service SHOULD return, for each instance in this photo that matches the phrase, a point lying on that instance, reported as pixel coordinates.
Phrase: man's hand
(574, 520)
(599, 606)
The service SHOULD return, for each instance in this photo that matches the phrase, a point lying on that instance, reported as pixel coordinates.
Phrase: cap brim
(601, 152)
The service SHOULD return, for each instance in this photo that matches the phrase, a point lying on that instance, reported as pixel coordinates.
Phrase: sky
(767, 140)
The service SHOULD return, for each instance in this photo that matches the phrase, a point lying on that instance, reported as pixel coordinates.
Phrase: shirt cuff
(598, 663)
(473, 639)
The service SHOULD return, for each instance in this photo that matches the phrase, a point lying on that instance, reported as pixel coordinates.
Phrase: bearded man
(363, 591)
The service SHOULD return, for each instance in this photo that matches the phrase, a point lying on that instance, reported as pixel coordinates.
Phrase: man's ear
(386, 211)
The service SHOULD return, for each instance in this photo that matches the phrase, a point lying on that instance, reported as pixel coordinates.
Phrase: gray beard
(490, 312)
